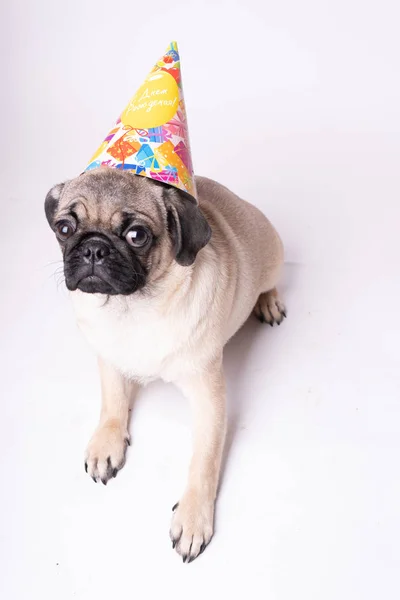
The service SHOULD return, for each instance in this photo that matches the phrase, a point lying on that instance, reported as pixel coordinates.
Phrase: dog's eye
(137, 237)
(64, 230)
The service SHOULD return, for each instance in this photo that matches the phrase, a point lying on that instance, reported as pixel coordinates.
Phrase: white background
(295, 106)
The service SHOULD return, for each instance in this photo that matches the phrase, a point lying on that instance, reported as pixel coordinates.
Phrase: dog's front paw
(192, 525)
(105, 454)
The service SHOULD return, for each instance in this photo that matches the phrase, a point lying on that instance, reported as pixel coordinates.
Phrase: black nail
(184, 557)
(271, 323)
(114, 473)
(128, 441)
(261, 318)
(283, 313)
(202, 548)
(175, 506)
(190, 549)
(173, 544)
(104, 481)
(94, 479)
(86, 467)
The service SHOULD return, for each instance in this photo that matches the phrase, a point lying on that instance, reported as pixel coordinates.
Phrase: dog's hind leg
(270, 308)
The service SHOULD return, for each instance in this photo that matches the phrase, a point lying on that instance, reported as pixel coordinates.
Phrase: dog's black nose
(94, 251)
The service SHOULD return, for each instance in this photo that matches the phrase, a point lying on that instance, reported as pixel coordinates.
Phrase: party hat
(151, 137)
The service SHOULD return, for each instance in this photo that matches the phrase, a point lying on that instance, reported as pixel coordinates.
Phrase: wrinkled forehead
(105, 197)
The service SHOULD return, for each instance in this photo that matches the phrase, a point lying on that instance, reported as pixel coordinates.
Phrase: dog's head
(119, 232)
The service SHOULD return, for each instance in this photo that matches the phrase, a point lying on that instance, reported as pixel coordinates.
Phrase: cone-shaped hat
(151, 137)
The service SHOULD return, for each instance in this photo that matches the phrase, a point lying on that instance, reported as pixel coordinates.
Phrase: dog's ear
(51, 202)
(187, 225)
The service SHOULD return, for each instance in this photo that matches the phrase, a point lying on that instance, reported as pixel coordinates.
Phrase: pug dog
(159, 285)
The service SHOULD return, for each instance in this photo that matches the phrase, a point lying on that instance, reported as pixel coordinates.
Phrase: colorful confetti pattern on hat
(151, 136)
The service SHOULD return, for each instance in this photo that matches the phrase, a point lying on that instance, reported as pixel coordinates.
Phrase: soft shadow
(252, 338)
(237, 359)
